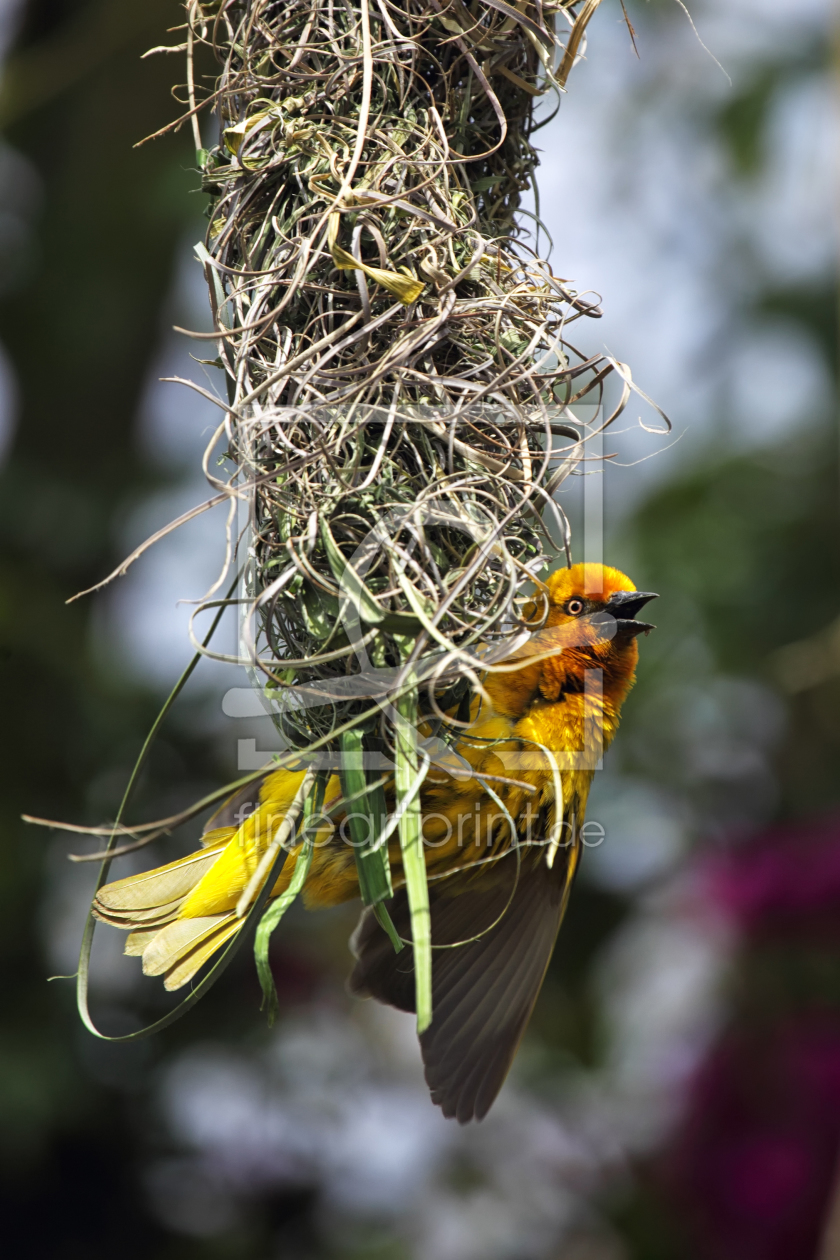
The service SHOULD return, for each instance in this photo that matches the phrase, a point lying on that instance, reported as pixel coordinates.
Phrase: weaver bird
(501, 848)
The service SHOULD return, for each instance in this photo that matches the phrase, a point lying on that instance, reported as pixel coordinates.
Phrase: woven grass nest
(397, 355)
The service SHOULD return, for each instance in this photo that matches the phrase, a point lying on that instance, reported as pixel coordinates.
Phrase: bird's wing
(482, 992)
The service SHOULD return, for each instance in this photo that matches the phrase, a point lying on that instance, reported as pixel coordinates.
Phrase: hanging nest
(398, 366)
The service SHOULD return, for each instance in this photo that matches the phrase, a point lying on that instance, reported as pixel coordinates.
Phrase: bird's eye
(574, 607)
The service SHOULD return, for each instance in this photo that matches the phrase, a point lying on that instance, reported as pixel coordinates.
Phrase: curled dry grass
(398, 356)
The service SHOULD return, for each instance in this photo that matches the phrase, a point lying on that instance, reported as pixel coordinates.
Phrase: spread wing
(482, 992)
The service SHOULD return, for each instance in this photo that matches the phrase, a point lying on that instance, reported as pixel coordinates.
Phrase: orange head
(586, 589)
(591, 616)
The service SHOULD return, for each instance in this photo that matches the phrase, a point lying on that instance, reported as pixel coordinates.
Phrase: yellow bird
(500, 855)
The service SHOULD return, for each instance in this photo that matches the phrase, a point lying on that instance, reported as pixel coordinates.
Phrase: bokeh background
(678, 1094)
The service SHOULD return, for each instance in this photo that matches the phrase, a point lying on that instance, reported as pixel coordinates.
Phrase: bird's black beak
(623, 605)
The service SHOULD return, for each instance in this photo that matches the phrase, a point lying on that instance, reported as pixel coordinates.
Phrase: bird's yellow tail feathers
(178, 915)
(150, 908)
(154, 897)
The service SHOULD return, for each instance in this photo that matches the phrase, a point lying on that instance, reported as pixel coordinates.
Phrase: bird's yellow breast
(465, 820)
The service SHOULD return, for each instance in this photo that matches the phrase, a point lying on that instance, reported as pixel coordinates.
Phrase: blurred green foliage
(746, 548)
(80, 322)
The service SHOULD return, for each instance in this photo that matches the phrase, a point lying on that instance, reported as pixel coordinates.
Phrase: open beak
(624, 605)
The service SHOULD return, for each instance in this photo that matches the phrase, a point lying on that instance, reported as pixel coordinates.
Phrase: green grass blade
(366, 818)
(278, 907)
(408, 780)
(83, 970)
(385, 921)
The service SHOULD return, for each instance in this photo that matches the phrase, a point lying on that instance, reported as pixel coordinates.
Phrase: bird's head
(591, 590)
(590, 622)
